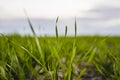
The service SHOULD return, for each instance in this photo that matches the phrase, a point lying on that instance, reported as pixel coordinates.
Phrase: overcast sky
(63, 8)
(90, 14)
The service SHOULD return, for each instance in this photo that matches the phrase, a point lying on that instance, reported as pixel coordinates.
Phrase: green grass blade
(73, 55)
(2, 73)
(57, 19)
(91, 57)
(75, 26)
(56, 29)
(81, 73)
(66, 31)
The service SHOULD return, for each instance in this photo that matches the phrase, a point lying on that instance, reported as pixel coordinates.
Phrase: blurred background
(94, 17)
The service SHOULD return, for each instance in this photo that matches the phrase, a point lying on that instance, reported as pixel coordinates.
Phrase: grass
(59, 58)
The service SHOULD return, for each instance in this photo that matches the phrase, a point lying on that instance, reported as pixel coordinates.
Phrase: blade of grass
(56, 29)
(66, 31)
(75, 26)
(2, 73)
(57, 19)
(42, 56)
(91, 57)
(35, 36)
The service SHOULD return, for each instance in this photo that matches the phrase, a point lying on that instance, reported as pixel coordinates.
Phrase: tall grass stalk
(68, 75)
(56, 29)
(66, 30)
(42, 55)
(75, 28)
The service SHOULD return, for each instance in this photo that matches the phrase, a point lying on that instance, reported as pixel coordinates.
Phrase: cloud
(106, 12)
(101, 16)
(1, 9)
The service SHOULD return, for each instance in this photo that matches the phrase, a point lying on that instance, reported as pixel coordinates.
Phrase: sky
(45, 8)
(93, 16)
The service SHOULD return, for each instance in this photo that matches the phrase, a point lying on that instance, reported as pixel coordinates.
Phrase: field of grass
(59, 58)
(63, 58)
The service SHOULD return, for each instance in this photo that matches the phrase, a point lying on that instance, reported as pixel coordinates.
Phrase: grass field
(62, 58)
(59, 58)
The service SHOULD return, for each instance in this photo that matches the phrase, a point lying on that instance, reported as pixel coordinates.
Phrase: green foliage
(20, 57)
